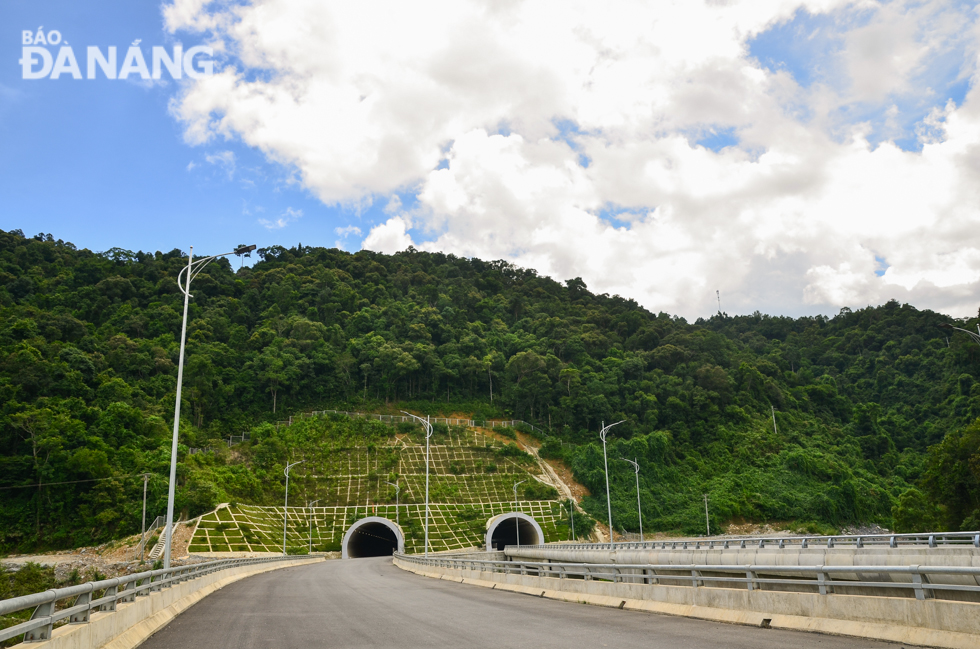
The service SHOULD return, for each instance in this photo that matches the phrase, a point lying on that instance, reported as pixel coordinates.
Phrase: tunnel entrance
(373, 536)
(504, 529)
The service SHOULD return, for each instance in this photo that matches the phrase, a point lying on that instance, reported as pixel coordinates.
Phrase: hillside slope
(88, 351)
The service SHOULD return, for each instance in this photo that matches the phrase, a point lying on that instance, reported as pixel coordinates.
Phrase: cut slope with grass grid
(347, 465)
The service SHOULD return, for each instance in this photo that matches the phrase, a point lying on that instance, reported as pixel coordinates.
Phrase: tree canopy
(820, 420)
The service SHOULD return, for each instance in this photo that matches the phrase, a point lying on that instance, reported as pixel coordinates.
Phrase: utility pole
(146, 478)
(707, 521)
(774, 430)
(286, 504)
(718, 294)
(639, 511)
(517, 520)
(571, 515)
(309, 518)
(192, 269)
(605, 464)
(427, 425)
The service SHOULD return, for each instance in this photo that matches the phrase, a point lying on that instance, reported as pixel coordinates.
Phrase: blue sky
(103, 164)
(664, 193)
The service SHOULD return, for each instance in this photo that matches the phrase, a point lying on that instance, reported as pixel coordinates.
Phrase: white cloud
(282, 220)
(223, 159)
(517, 126)
(389, 237)
(347, 231)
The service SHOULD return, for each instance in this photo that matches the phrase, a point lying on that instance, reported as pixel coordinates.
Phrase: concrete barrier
(931, 622)
(132, 623)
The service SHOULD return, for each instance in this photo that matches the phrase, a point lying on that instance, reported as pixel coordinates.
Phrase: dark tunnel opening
(506, 533)
(372, 540)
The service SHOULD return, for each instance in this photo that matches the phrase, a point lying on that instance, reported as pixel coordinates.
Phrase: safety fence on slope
(924, 582)
(930, 539)
(75, 604)
(397, 419)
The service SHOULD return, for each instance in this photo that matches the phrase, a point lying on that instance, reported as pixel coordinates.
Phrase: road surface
(371, 603)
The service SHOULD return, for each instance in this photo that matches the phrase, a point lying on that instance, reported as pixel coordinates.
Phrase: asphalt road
(371, 603)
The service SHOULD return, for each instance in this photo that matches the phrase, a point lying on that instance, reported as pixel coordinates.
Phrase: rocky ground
(112, 559)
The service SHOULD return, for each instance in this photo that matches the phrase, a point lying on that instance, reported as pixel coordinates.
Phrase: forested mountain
(88, 356)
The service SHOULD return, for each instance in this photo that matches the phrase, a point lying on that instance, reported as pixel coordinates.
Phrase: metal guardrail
(818, 579)
(931, 540)
(396, 419)
(104, 596)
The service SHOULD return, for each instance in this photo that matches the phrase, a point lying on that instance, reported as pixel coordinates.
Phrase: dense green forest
(867, 416)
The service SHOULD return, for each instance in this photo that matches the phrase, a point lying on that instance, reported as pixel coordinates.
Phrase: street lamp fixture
(639, 512)
(428, 433)
(517, 520)
(192, 270)
(974, 336)
(286, 504)
(605, 464)
(397, 489)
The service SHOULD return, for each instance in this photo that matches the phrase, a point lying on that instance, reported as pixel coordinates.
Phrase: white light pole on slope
(639, 512)
(605, 463)
(286, 504)
(192, 270)
(428, 433)
(309, 505)
(517, 520)
(397, 489)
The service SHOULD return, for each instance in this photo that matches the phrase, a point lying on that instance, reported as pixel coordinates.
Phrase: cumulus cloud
(391, 236)
(567, 136)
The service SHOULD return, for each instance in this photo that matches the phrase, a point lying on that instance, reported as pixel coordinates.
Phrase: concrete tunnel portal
(505, 529)
(373, 536)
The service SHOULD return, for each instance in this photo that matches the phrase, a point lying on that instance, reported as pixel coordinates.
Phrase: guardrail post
(932, 540)
(742, 544)
(860, 542)
(110, 592)
(762, 543)
(43, 632)
(823, 581)
(976, 541)
(893, 542)
(803, 545)
(697, 578)
(725, 547)
(81, 617)
(830, 542)
(917, 580)
(782, 544)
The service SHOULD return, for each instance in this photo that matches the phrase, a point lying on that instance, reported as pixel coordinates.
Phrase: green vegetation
(88, 354)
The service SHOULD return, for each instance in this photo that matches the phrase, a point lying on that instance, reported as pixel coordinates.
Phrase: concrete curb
(887, 632)
(131, 624)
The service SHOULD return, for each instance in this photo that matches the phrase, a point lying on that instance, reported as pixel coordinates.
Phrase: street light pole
(571, 515)
(397, 489)
(192, 270)
(146, 477)
(639, 512)
(974, 336)
(286, 504)
(309, 505)
(428, 433)
(517, 520)
(605, 464)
